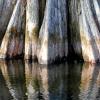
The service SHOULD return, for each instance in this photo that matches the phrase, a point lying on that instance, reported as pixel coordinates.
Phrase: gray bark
(6, 10)
(53, 32)
(85, 28)
(46, 37)
(89, 29)
(12, 43)
(50, 47)
(32, 27)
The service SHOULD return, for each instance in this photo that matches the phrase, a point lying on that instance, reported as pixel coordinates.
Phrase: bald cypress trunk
(53, 32)
(12, 43)
(90, 30)
(74, 11)
(45, 30)
(6, 10)
(38, 29)
(85, 28)
(32, 27)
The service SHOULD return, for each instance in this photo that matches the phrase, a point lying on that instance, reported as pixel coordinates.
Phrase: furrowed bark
(85, 29)
(32, 26)
(12, 43)
(90, 30)
(53, 32)
(6, 10)
(42, 4)
(75, 48)
(45, 29)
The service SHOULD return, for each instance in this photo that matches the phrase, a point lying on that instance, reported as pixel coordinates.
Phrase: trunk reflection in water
(21, 80)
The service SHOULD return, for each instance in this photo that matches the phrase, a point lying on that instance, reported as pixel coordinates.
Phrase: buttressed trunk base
(43, 29)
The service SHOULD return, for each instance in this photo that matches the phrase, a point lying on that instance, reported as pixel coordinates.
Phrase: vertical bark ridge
(32, 27)
(75, 47)
(12, 43)
(53, 32)
(45, 26)
(90, 35)
(6, 10)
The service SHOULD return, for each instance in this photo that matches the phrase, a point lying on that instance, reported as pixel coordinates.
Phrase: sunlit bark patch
(6, 10)
(90, 46)
(49, 30)
(53, 32)
(32, 27)
(85, 29)
(12, 43)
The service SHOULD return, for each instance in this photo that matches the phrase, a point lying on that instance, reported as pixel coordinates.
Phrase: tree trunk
(90, 30)
(74, 28)
(43, 26)
(53, 32)
(12, 43)
(6, 9)
(32, 27)
(85, 28)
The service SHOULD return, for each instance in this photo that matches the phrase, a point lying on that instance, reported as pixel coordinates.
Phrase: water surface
(20, 80)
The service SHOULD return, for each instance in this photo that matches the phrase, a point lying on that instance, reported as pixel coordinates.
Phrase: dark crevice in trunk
(42, 4)
(2, 31)
(72, 53)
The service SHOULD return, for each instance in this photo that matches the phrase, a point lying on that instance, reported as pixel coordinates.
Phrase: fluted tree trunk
(53, 32)
(74, 11)
(85, 28)
(32, 27)
(12, 43)
(90, 30)
(43, 26)
(6, 10)
(52, 38)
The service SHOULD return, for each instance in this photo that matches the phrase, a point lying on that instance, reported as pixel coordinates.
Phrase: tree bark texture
(43, 30)
(53, 32)
(85, 28)
(12, 42)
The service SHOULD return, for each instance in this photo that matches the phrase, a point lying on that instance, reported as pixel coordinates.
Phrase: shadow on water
(31, 81)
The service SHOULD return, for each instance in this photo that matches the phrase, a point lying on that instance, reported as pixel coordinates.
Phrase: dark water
(21, 80)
